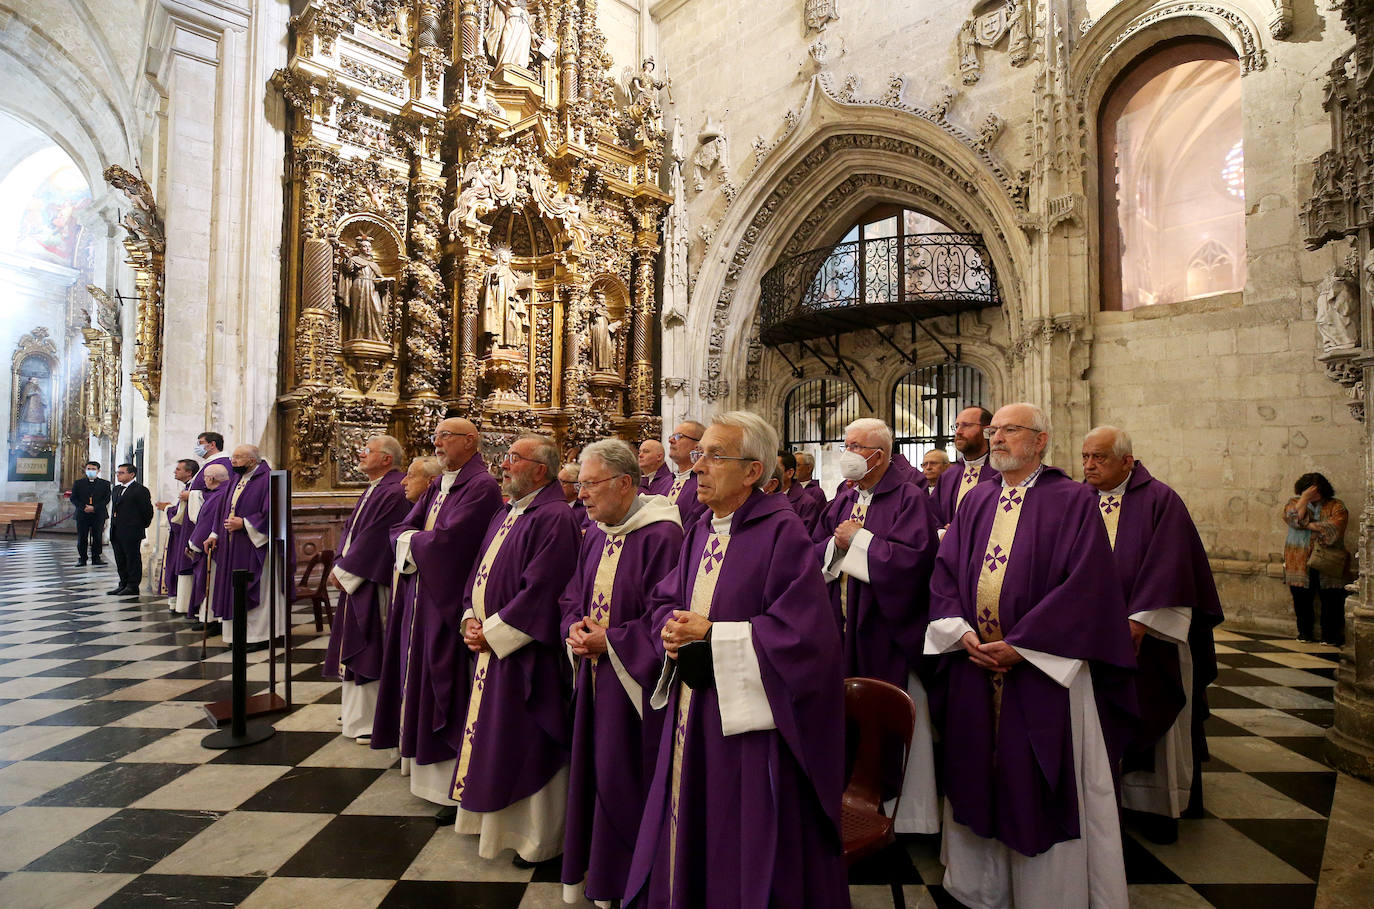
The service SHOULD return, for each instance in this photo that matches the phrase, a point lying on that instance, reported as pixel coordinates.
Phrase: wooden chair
(880, 715)
(317, 594)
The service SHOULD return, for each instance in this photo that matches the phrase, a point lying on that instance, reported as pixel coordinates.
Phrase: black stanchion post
(240, 731)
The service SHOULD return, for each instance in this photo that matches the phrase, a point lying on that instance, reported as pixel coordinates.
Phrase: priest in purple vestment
(933, 464)
(511, 782)
(426, 670)
(909, 474)
(184, 471)
(1034, 695)
(652, 467)
(806, 507)
(195, 586)
(806, 467)
(876, 546)
(362, 573)
(567, 479)
(743, 811)
(238, 542)
(1173, 606)
(970, 469)
(680, 487)
(634, 543)
(210, 449)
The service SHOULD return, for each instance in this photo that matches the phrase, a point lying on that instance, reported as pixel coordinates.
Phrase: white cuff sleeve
(255, 536)
(213, 536)
(503, 639)
(467, 614)
(830, 562)
(404, 563)
(1171, 623)
(744, 705)
(347, 579)
(193, 504)
(666, 678)
(944, 635)
(1062, 669)
(633, 690)
(855, 563)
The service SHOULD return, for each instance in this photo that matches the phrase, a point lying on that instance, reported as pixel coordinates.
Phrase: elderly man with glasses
(972, 466)
(363, 575)
(426, 670)
(681, 486)
(1033, 695)
(633, 544)
(876, 544)
(744, 807)
(511, 780)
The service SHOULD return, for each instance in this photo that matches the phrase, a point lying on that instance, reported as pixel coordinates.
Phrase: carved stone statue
(508, 34)
(481, 192)
(33, 409)
(1368, 277)
(711, 153)
(364, 292)
(603, 332)
(820, 13)
(986, 28)
(504, 310)
(1337, 313)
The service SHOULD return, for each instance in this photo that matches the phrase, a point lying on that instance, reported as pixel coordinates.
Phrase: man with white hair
(1173, 606)
(634, 542)
(195, 592)
(363, 572)
(744, 807)
(934, 463)
(1033, 697)
(209, 448)
(511, 781)
(567, 481)
(876, 544)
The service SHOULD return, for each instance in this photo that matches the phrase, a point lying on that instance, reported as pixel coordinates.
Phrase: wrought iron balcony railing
(864, 284)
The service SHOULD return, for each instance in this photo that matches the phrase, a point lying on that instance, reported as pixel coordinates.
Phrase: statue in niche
(33, 410)
(603, 332)
(504, 308)
(363, 293)
(481, 192)
(508, 34)
(1337, 316)
(711, 153)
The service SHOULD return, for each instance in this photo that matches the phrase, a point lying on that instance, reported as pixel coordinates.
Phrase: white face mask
(92, 474)
(853, 466)
(200, 451)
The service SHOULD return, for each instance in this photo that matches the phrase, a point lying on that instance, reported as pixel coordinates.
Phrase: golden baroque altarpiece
(472, 229)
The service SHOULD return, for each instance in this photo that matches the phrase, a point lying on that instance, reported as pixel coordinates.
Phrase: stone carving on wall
(820, 13)
(146, 247)
(989, 23)
(486, 153)
(712, 154)
(1337, 312)
(1281, 19)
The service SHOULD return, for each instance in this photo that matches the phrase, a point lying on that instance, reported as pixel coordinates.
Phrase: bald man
(934, 463)
(239, 541)
(653, 469)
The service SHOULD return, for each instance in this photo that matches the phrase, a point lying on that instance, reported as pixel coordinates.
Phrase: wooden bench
(12, 513)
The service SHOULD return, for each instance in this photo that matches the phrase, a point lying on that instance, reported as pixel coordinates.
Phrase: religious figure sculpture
(33, 409)
(503, 309)
(1337, 316)
(711, 153)
(481, 192)
(363, 292)
(508, 34)
(820, 13)
(602, 335)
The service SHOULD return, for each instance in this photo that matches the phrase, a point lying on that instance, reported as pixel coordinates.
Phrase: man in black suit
(90, 498)
(131, 512)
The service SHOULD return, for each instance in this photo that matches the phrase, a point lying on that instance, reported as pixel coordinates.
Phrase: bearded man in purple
(1034, 695)
(183, 473)
(632, 546)
(1173, 606)
(876, 545)
(744, 808)
(238, 541)
(680, 487)
(970, 469)
(363, 574)
(511, 781)
(426, 671)
(210, 449)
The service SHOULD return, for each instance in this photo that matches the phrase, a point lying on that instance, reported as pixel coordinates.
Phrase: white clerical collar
(372, 483)
(866, 495)
(447, 479)
(1120, 490)
(519, 505)
(1028, 481)
(678, 474)
(722, 525)
(976, 462)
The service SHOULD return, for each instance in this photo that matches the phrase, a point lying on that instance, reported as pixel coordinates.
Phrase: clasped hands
(586, 638)
(233, 523)
(683, 628)
(844, 533)
(994, 656)
(473, 636)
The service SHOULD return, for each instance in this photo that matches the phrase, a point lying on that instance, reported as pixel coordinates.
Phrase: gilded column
(642, 366)
(473, 269)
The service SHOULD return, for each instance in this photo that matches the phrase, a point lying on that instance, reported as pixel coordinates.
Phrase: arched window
(1172, 177)
(925, 403)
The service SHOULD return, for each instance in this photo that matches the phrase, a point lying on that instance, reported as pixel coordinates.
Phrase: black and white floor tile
(108, 799)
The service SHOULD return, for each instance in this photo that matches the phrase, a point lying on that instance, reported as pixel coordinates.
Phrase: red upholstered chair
(879, 716)
(317, 594)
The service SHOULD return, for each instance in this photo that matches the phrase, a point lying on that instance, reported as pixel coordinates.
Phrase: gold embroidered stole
(678, 484)
(858, 513)
(703, 592)
(991, 575)
(604, 583)
(431, 518)
(479, 676)
(1109, 506)
(238, 491)
(967, 480)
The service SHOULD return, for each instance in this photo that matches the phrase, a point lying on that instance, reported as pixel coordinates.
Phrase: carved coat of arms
(820, 13)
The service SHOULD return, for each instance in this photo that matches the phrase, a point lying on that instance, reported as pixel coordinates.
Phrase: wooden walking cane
(205, 606)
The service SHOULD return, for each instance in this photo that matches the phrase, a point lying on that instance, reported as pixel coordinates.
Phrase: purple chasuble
(425, 666)
(185, 565)
(689, 507)
(947, 490)
(806, 507)
(172, 554)
(654, 485)
(1162, 564)
(614, 750)
(211, 516)
(813, 491)
(758, 822)
(235, 550)
(905, 470)
(1011, 777)
(885, 619)
(356, 634)
(521, 734)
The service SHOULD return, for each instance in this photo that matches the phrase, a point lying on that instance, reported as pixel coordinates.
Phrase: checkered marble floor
(107, 798)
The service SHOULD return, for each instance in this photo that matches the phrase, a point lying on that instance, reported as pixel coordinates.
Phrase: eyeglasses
(679, 436)
(856, 447)
(960, 427)
(706, 458)
(444, 434)
(588, 484)
(1007, 430)
(510, 458)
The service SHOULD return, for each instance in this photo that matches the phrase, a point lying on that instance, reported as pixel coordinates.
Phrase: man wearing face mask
(876, 544)
(91, 498)
(238, 541)
(209, 448)
(184, 471)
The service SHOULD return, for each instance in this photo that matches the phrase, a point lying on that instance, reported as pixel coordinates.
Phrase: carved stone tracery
(146, 244)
